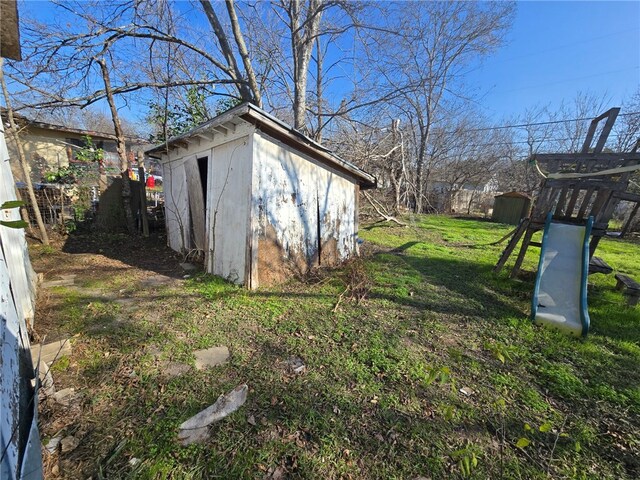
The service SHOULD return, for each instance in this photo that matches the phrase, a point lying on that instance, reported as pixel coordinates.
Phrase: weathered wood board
(196, 201)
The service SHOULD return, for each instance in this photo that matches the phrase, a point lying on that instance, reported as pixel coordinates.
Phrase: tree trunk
(420, 176)
(24, 212)
(102, 176)
(143, 194)
(244, 53)
(125, 164)
(303, 33)
(227, 52)
(319, 90)
(44, 238)
(397, 171)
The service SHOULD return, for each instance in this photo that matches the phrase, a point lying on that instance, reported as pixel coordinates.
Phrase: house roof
(24, 121)
(276, 128)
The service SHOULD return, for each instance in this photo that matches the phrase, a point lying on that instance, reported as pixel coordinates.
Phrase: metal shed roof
(514, 194)
(276, 128)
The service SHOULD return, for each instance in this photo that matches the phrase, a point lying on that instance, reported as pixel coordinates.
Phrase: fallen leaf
(545, 427)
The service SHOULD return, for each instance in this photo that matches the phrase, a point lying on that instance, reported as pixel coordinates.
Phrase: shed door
(196, 186)
(228, 198)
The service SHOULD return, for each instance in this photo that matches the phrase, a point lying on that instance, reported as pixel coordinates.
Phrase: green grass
(381, 397)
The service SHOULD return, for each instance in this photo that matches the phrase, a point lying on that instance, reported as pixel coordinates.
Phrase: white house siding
(10, 378)
(14, 243)
(292, 196)
(17, 294)
(228, 197)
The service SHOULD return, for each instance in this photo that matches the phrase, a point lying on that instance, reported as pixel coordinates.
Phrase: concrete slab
(51, 351)
(66, 282)
(211, 357)
(189, 267)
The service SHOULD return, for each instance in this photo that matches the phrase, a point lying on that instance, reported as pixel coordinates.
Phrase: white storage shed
(258, 198)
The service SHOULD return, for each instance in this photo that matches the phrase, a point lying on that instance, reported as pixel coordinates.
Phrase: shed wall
(510, 210)
(304, 214)
(228, 197)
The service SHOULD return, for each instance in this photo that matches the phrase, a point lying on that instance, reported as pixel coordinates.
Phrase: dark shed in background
(511, 207)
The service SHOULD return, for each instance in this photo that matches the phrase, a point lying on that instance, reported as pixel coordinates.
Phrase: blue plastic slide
(560, 293)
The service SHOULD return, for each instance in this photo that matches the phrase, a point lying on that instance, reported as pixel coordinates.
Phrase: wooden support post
(606, 130)
(593, 245)
(629, 287)
(611, 116)
(629, 222)
(523, 250)
(143, 195)
(511, 245)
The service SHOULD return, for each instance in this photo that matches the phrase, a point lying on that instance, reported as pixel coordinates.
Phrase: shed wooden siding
(277, 203)
(304, 213)
(228, 197)
(176, 205)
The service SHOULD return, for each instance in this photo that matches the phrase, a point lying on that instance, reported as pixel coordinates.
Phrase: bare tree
(425, 60)
(91, 118)
(627, 128)
(125, 165)
(571, 134)
(401, 61)
(13, 131)
(248, 89)
(470, 163)
(303, 22)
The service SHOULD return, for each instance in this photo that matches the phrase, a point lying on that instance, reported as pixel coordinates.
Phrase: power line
(550, 50)
(578, 42)
(523, 142)
(570, 80)
(533, 124)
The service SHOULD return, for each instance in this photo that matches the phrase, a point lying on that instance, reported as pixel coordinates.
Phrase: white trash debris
(52, 445)
(46, 379)
(65, 396)
(296, 365)
(195, 429)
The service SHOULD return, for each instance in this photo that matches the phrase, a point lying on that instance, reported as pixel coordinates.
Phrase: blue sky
(553, 51)
(557, 49)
